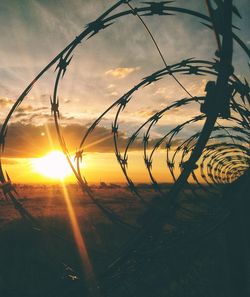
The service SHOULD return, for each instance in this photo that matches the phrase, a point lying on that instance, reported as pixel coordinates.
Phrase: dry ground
(32, 262)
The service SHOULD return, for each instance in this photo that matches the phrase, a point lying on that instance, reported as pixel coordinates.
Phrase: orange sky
(103, 68)
(97, 167)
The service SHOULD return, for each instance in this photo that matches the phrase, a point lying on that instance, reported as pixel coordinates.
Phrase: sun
(54, 165)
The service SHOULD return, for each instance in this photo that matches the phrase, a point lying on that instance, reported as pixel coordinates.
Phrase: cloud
(6, 102)
(25, 108)
(146, 112)
(121, 72)
(160, 91)
(27, 141)
(111, 86)
(113, 94)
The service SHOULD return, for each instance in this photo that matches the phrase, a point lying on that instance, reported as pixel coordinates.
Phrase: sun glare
(54, 165)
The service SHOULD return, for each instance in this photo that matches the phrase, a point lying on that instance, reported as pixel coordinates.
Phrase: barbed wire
(214, 156)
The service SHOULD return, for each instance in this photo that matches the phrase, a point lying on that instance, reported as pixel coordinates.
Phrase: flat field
(37, 262)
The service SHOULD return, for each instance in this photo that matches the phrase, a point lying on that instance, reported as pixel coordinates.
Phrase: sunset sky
(103, 68)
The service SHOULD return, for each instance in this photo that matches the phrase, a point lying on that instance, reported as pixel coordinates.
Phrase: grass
(32, 260)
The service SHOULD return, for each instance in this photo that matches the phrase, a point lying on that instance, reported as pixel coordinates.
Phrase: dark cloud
(21, 114)
(28, 108)
(38, 115)
(26, 140)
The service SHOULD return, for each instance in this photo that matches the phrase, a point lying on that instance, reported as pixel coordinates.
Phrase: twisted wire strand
(220, 169)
